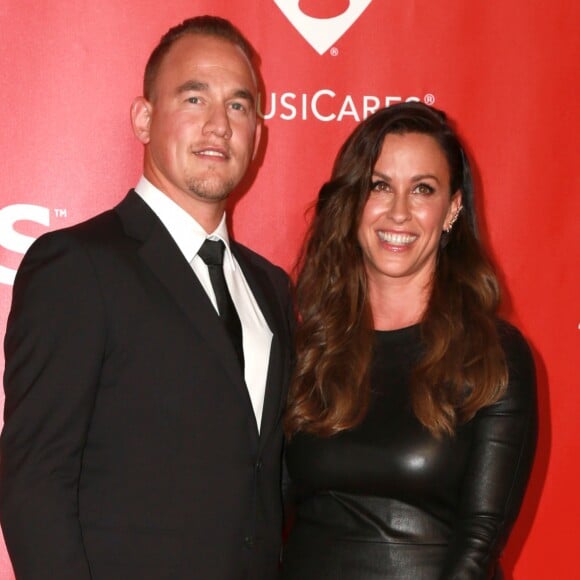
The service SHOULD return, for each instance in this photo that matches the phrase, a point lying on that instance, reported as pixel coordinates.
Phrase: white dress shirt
(189, 236)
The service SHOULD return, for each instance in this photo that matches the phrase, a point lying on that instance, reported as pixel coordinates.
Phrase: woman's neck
(397, 304)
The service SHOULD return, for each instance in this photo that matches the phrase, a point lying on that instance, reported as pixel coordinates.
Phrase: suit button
(259, 465)
(249, 541)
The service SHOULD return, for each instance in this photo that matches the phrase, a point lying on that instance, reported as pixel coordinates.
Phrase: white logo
(322, 33)
(327, 106)
(14, 241)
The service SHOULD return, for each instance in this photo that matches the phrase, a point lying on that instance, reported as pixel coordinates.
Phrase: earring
(453, 220)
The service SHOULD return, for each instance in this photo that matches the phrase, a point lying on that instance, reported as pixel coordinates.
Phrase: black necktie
(212, 253)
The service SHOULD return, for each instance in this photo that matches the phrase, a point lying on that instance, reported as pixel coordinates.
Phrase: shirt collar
(185, 230)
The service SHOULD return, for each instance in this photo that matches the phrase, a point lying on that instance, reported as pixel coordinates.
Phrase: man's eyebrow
(202, 87)
(192, 86)
(244, 94)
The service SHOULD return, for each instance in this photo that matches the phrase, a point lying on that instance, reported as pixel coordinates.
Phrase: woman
(412, 415)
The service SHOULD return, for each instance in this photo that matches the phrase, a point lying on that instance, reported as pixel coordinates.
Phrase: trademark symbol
(334, 51)
(429, 99)
(60, 213)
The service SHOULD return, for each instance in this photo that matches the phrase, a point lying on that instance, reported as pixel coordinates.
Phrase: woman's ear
(455, 208)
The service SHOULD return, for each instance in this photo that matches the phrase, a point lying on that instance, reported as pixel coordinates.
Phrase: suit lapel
(160, 253)
(265, 296)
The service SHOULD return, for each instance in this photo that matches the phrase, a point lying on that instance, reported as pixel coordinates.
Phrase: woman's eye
(379, 186)
(424, 189)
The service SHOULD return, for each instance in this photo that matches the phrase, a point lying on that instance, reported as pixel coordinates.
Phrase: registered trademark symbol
(429, 99)
(334, 51)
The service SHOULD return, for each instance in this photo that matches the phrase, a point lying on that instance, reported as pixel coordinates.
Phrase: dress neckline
(412, 332)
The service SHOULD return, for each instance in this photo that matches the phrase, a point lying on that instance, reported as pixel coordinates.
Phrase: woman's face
(409, 205)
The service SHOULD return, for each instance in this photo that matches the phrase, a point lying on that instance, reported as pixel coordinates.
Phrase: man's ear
(141, 110)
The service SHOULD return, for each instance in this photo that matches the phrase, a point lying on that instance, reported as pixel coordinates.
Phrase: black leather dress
(386, 500)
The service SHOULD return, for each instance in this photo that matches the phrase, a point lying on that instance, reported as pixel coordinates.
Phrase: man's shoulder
(257, 259)
(275, 277)
(102, 226)
(99, 225)
(100, 235)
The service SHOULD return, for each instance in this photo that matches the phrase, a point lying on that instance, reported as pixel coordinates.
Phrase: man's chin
(211, 192)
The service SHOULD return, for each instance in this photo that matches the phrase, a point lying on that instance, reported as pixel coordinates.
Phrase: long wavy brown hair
(462, 368)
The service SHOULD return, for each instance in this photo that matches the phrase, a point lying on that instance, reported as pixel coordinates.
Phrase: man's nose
(218, 123)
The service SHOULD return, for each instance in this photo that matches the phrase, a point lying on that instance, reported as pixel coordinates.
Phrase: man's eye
(193, 100)
(238, 106)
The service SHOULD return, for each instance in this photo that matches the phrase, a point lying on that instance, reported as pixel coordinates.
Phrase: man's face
(199, 128)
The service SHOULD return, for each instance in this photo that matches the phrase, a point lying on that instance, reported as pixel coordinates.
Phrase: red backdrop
(506, 72)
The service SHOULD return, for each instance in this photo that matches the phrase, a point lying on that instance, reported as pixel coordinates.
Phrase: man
(142, 440)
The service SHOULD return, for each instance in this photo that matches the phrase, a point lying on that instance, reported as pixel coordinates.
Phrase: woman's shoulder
(519, 358)
(513, 342)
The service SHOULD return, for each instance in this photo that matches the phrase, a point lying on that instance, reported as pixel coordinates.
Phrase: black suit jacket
(130, 448)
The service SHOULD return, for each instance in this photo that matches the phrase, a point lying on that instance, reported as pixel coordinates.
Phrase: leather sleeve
(498, 470)
(54, 347)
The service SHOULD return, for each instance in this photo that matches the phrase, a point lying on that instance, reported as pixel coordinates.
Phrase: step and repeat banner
(505, 72)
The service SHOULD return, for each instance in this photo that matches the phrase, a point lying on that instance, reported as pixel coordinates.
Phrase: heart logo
(321, 33)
